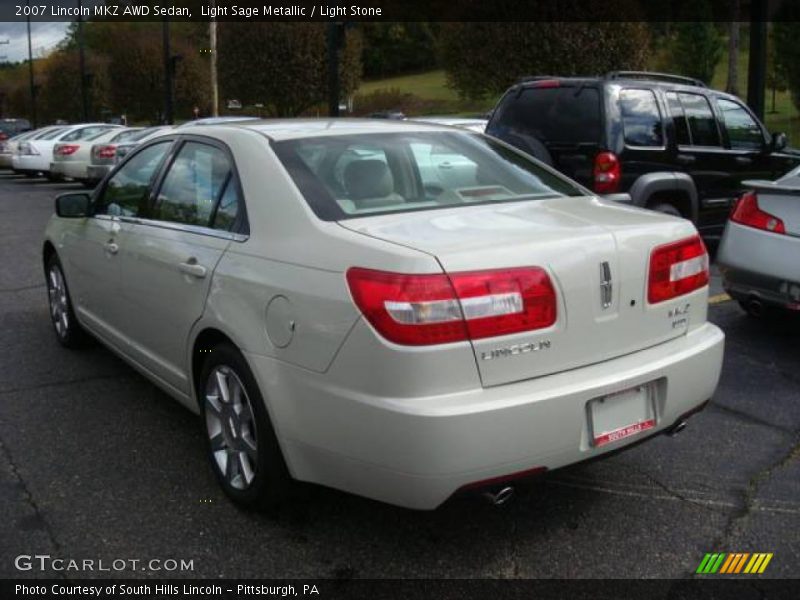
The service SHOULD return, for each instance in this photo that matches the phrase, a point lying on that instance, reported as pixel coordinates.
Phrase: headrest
(368, 179)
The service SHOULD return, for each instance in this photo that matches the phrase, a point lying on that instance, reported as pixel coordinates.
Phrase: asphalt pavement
(97, 464)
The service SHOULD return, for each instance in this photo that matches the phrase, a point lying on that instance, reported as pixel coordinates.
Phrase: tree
(60, 95)
(732, 87)
(283, 65)
(697, 47)
(394, 48)
(476, 56)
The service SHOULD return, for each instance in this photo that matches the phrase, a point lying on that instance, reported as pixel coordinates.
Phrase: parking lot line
(719, 299)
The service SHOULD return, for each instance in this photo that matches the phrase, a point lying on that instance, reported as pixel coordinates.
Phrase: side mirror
(73, 205)
(779, 141)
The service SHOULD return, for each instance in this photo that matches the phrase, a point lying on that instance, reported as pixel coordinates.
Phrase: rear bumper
(760, 264)
(97, 172)
(73, 170)
(30, 164)
(418, 452)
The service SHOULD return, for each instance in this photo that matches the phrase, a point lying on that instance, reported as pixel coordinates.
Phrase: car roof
(286, 129)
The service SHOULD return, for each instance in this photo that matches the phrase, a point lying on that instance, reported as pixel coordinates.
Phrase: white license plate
(622, 414)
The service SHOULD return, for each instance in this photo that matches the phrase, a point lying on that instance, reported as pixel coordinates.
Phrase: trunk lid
(573, 239)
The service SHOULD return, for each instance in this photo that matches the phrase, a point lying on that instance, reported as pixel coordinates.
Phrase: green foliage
(697, 45)
(283, 65)
(393, 48)
(785, 34)
(478, 56)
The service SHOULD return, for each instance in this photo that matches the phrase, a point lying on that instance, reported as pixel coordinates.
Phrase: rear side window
(743, 131)
(679, 120)
(85, 133)
(641, 119)
(702, 124)
(193, 186)
(567, 114)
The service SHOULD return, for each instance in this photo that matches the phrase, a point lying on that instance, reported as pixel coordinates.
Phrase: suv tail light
(65, 149)
(607, 173)
(747, 212)
(421, 310)
(677, 269)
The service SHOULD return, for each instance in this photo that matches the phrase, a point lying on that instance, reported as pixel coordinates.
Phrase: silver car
(759, 255)
(338, 314)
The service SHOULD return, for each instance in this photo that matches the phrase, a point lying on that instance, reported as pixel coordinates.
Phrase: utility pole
(168, 99)
(212, 34)
(82, 68)
(30, 71)
(334, 31)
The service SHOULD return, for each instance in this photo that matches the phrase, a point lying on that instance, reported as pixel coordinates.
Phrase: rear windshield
(345, 177)
(564, 114)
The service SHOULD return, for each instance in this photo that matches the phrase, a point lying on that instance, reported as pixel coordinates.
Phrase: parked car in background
(9, 147)
(759, 256)
(340, 316)
(673, 144)
(34, 156)
(11, 127)
(46, 133)
(71, 159)
(100, 167)
(476, 125)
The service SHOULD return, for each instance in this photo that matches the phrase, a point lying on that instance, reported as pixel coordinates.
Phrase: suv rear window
(569, 114)
(641, 119)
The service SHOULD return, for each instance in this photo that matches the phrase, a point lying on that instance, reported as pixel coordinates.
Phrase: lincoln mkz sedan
(399, 310)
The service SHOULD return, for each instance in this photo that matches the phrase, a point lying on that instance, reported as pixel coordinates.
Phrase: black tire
(666, 208)
(271, 483)
(69, 332)
(53, 178)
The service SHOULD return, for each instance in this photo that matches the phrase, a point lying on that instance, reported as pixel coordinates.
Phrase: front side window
(357, 175)
(743, 131)
(127, 192)
(641, 119)
(702, 124)
(193, 185)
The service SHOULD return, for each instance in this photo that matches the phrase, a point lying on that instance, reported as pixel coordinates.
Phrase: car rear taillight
(3, 136)
(27, 149)
(747, 212)
(106, 152)
(677, 269)
(65, 149)
(421, 310)
(607, 173)
(545, 84)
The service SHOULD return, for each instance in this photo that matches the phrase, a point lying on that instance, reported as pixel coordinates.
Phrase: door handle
(685, 159)
(111, 247)
(743, 160)
(190, 267)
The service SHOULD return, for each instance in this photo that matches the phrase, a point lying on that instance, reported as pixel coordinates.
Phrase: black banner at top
(399, 10)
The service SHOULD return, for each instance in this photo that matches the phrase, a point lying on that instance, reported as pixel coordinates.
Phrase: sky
(44, 37)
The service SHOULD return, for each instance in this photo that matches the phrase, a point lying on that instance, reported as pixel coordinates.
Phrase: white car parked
(34, 156)
(71, 158)
(337, 318)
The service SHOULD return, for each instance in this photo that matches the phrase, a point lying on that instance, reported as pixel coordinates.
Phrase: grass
(432, 86)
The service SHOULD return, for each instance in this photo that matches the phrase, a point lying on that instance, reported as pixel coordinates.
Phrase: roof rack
(655, 76)
(527, 78)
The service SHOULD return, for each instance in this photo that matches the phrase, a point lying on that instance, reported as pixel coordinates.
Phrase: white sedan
(338, 315)
(71, 158)
(34, 156)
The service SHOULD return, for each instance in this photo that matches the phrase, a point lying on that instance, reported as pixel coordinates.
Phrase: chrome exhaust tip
(677, 428)
(500, 496)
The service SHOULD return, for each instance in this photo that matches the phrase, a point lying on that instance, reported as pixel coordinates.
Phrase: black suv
(670, 142)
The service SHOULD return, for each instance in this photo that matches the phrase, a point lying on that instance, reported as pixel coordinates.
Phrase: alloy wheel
(230, 423)
(59, 302)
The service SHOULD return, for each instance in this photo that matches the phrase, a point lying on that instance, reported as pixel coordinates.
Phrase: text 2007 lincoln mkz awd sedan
(399, 310)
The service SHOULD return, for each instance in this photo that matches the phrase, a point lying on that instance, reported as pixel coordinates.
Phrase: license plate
(622, 414)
